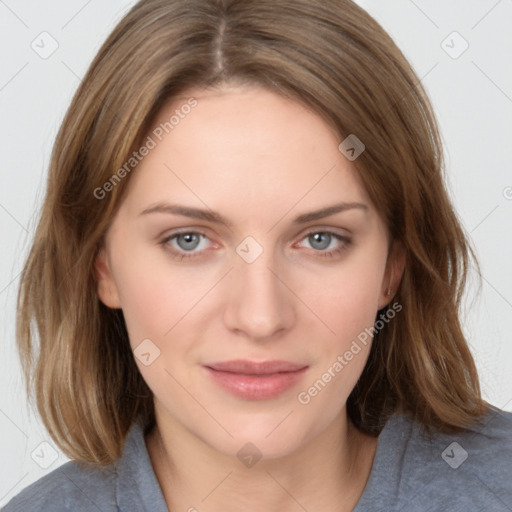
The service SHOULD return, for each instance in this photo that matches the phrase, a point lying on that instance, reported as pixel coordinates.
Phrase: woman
(247, 275)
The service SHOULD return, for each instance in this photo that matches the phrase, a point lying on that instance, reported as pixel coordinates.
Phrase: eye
(184, 243)
(321, 240)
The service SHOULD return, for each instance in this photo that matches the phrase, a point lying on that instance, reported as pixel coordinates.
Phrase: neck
(328, 473)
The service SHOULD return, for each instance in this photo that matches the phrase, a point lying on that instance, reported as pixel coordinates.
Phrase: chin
(267, 436)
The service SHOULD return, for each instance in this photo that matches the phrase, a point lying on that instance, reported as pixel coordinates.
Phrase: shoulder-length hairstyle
(331, 56)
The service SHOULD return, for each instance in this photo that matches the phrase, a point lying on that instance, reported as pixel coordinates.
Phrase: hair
(336, 60)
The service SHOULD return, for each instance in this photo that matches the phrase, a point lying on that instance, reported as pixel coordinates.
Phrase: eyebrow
(217, 218)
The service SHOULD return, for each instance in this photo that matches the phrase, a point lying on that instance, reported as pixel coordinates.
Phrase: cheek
(342, 350)
(159, 304)
(346, 303)
(346, 298)
(154, 297)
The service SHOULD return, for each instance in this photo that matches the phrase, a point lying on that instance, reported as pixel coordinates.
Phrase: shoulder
(127, 484)
(470, 470)
(72, 486)
(492, 434)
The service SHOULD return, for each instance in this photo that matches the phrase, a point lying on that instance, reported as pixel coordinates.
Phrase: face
(242, 304)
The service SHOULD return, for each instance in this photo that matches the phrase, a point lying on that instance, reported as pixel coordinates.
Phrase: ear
(394, 270)
(106, 286)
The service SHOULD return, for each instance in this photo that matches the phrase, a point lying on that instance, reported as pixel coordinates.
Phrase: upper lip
(245, 367)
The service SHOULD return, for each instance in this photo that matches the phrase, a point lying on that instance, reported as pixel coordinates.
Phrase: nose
(260, 303)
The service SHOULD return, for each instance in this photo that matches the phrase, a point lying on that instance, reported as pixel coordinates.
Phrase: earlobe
(394, 270)
(106, 286)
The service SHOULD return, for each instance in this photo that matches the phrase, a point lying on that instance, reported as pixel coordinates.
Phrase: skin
(260, 160)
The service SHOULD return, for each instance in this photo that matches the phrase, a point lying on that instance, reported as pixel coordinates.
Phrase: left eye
(322, 239)
(185, 244)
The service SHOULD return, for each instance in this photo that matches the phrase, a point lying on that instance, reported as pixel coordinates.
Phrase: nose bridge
(260, 304)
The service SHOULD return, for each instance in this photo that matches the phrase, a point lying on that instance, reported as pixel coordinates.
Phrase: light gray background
(472, 96)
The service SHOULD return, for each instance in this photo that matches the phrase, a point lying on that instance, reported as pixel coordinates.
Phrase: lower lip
(254, 387)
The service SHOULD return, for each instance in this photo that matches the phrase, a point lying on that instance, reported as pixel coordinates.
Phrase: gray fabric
(411, 472)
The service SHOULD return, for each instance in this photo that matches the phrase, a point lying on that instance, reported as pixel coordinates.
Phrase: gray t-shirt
(467, 472)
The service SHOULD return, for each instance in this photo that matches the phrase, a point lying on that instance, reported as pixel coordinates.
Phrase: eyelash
(346, 242)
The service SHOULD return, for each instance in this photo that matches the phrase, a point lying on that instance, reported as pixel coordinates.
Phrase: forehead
(243, 149)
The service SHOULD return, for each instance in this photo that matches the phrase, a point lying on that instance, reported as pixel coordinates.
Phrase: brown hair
(334, 58)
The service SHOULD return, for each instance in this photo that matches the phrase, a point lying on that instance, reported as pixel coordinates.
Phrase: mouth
(253, 380)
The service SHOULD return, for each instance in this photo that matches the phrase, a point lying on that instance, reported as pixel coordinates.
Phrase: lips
(253, 380)
(256, 368)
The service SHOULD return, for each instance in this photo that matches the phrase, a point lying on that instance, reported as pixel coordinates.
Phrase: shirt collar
(137, 487)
